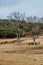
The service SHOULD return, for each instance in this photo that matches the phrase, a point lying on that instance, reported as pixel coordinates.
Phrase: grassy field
(13, 53)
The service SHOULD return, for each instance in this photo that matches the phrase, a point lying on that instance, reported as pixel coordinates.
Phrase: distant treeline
(9, 28)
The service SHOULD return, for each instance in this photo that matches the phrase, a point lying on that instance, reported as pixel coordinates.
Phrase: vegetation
(16, 25)
(8, 28)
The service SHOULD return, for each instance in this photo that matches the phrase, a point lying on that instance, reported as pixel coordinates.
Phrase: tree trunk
(34, 41)
(18, 37)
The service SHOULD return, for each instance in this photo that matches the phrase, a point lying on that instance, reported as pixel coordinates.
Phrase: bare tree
(18, 17)
(35, 32)
(29, 19)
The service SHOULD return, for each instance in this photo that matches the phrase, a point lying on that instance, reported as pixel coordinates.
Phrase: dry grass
(13, 53)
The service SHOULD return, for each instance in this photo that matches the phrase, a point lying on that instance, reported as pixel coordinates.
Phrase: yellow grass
(21, 53)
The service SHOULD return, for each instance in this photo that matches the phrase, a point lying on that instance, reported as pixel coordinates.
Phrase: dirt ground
(13, 53)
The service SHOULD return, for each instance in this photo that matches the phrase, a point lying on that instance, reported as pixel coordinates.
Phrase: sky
(30, 7)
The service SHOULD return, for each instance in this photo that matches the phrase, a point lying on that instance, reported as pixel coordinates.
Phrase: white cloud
(30, 7)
